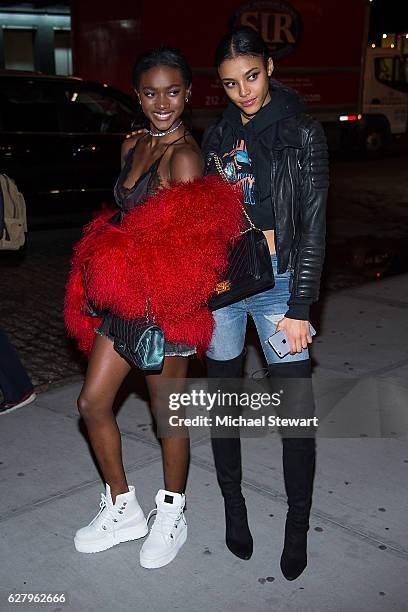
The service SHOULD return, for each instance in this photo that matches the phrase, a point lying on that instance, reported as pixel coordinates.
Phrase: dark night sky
(388, 16)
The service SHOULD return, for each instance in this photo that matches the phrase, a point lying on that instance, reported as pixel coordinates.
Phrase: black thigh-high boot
(298, 470)
(227, 459)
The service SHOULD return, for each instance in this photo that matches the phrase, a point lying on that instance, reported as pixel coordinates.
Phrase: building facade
(36, 36)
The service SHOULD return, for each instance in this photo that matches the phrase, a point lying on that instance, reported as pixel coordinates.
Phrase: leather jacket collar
(289, 134)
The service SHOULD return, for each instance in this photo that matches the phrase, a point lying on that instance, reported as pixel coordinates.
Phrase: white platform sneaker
(168, 532)
(115, 522)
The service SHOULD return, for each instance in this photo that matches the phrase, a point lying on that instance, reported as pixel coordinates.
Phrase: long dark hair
(241, 41)
(161, 56)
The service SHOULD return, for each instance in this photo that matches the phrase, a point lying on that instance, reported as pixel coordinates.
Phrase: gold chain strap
(221, 172)
(148, 318)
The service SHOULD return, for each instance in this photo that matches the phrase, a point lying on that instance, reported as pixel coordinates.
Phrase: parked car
(60, 140)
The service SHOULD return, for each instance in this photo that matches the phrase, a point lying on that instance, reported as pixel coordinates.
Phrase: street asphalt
(358, 540)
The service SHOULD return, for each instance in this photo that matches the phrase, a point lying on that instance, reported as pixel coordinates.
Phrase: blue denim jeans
(266, 309)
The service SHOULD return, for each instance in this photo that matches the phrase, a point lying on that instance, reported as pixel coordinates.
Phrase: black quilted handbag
(249, 264)
(140, 341)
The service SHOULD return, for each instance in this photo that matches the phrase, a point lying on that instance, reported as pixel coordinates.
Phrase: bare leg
(176, 451)
(105, 374)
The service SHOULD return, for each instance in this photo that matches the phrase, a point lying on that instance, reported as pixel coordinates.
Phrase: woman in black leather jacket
(278, 155)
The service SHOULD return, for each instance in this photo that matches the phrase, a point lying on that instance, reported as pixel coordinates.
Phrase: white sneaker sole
(164, 559)
(29, 399)
(112, 539)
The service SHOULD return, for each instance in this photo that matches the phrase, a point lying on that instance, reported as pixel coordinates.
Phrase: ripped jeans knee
(266, 309)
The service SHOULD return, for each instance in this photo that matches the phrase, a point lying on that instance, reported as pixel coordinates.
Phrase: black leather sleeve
(314, 183)
(206, 140)
(210, 143)
(2, 223)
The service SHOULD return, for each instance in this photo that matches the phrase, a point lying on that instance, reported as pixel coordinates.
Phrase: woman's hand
(137, 132)
(298, 333)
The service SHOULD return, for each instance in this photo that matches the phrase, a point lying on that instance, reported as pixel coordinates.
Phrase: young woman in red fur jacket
(168, 244)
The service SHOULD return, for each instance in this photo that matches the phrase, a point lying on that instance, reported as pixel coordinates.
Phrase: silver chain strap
(221, 172)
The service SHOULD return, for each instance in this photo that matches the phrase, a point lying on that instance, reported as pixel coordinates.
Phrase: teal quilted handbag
(140, 341)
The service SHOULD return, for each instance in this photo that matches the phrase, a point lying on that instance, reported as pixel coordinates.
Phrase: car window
(28, 106)
(392, 71)
(91, 110)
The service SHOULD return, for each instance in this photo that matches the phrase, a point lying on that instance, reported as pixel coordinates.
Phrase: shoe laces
(110, 511)
(165, 522)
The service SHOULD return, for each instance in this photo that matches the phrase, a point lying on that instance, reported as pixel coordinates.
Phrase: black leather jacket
(300, 180)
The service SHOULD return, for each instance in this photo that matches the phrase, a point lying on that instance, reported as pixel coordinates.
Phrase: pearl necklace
(169, 131)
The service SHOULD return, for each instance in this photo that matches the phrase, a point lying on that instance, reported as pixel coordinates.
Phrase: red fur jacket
(172, 249)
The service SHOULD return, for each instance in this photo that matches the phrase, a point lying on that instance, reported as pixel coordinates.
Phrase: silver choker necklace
(169, 131)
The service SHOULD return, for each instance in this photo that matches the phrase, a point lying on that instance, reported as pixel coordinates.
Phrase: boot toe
(241, 549)
(292, 569)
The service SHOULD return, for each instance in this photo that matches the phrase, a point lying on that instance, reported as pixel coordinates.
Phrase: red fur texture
(171, 250)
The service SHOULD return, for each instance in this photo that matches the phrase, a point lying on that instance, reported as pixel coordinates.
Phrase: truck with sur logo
(320, 47)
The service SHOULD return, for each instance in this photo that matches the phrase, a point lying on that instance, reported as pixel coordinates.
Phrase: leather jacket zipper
(293, 215)
(273, 195)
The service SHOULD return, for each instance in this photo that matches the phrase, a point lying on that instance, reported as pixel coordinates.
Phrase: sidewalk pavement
(358, 540)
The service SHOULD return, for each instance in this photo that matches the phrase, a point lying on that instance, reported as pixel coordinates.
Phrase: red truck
(320, 48)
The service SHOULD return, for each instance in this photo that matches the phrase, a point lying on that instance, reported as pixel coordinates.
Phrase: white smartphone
(280, 343)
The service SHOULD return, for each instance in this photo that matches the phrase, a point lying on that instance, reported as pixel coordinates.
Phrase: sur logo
(279, 24)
